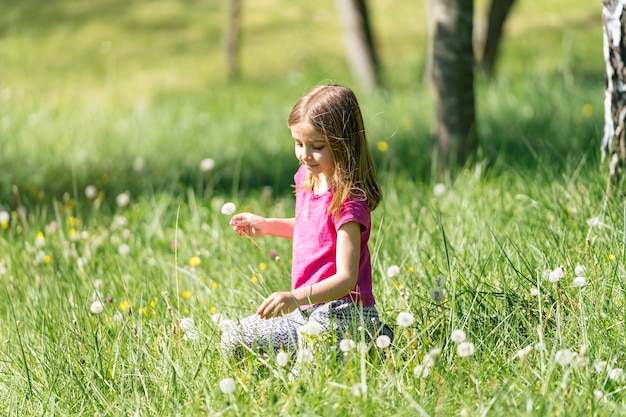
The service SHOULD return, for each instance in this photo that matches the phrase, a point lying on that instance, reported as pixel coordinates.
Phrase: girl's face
(313, 151)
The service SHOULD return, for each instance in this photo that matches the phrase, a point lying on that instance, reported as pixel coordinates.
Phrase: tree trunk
(359, 42)
(232, 43)
(498, 12)
(614, 22)
(456, 139)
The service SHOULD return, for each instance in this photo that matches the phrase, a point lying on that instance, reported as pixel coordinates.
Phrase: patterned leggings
(340, 316)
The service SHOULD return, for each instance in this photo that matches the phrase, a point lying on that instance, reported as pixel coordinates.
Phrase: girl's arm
(248, 224)
(333, 287)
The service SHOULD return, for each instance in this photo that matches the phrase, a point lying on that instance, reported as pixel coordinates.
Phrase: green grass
(89, 88)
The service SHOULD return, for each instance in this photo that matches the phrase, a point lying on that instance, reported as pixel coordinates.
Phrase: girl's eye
(318, 148)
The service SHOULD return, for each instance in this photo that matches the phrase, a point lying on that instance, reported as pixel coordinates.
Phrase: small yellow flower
(399, 285)
(214, 285)
(587, 109)
(194, 261)
(186, 294)
(4, 225)
(254, 279)
(152, 304)
(202, 278)
(428, 341)
(212, 310)
(383, 146)
(73, 221)
(610, 257)
(262, 266)
(124, 305)
(39, 235)
(410, 269)
(47, 259)
(73, 233)
(144, 311)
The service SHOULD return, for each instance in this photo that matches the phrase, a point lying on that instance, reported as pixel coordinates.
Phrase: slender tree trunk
(453, 79)
(613, 141)
(498, 12)
(232, 39)
(359, 42)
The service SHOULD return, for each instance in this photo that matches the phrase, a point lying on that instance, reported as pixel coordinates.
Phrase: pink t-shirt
(315, 240)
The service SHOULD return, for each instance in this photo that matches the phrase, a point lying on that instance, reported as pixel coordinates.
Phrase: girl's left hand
(277, 304)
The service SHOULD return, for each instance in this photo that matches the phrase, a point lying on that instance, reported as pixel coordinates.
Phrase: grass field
(112, 237)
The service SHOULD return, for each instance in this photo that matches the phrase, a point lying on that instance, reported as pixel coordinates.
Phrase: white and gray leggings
(340, 316)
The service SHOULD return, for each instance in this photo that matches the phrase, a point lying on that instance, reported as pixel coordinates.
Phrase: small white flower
(421, 371)
(393, 270)
(359, 390)
(91, 192)
(122, 200)
(434, 352)
(564, 357)
(458, 336)
(556, 274)
(601, 366)
(534, 292)
(429, 360)
(96, 307)
(597, 394)
(282, 358)
(383, 341)
(580, 270)
(439, 189)
(616, 374)
(522, 354)
(227, 386)
(123, 249)
(311, 329)
(579, 282)
(405, 319)
(3, 269)
(465, 349)
(4, 216)
(346, 345)
(207, 164)
(594, 221)
(228, 208)
(305, 356)
(187, 324)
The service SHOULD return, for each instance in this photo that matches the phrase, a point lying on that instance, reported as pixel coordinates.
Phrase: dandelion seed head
(393, 270)
(228, 208)
(359, 390)
(227, 386)
(534, 292)
(123, 249)
(579, 282)
(556, 274)
(311, 328)
(4, 216)
(601, 366)
(593, 222)
(305, 356)
(122, 199)
(522, 354)
(187, 324)
(421, 371)
(346, 345)
(207, 164)
(564, 357)
(91, 192)
(96, 307)
(458, 336)
(383, 341)
(616, 374)
(580, 270)
(465, 349)
(282, 358)
(405, 319)
(439, 189)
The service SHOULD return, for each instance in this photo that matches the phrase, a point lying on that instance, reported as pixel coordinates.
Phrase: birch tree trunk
(359, 42)
(614, 46)
(453, 80)
(232, 39)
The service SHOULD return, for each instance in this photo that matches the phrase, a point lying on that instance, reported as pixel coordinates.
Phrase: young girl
(336, 189)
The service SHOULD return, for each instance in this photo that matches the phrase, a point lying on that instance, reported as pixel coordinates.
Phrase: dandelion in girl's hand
(564, 357)
(282, 358)
(579, 282)
(393, 270)
(405, 319)
(458, 336)
(207, 164)
(465, 349)
(96, 307)
(228, 208)
(346, 345)
(227, 386)
(580, 270)
(383, 341)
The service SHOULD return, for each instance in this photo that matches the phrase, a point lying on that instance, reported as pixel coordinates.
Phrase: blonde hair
(334, 112)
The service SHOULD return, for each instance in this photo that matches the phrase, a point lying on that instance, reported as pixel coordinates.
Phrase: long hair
(334, 112)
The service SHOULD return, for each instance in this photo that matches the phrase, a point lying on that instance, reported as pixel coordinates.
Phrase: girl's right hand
(248, 224)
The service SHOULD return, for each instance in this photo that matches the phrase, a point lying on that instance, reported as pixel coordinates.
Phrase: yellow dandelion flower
(194, 261)
(202, 278)
(399, 285)
(214, 285)
(262, 266)
(144, 311)
(212, 310)
(47, 259)
(73, 221)
(610, 257)
(4, 225)
(383, 146)
(186, 294)
(186, 311)
(152, 304)
(587, 109)
(124, 305)
(254, 279)
(73, 233)
(410, 269)
(39, 235)
(428, 341)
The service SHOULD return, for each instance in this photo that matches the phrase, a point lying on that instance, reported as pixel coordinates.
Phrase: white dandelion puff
(4, 216)
(439, 189)
(310, 329)
(346, 345)
(421, 371)
(556, 274)
(282, 358)
(522, 354)
(393, 270)
(579, 282)
(534, 292)
(187, 324)
(601, 366)
(227, 386)
(123, 249)
(207, 164)
(594, 221)
(122, 199)
(564, 357)
(616, 374)
(96, 307)
(405, 319)
(465, 349)
(383, 341)
(580, 270)
(359, 390)
(305, 356)
(228, 208)
(91, 192)
(458, 336)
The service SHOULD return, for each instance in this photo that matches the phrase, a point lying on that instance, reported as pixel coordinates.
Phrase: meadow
(123, 144)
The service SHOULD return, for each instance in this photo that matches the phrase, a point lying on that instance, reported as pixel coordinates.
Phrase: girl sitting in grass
(336, 189)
